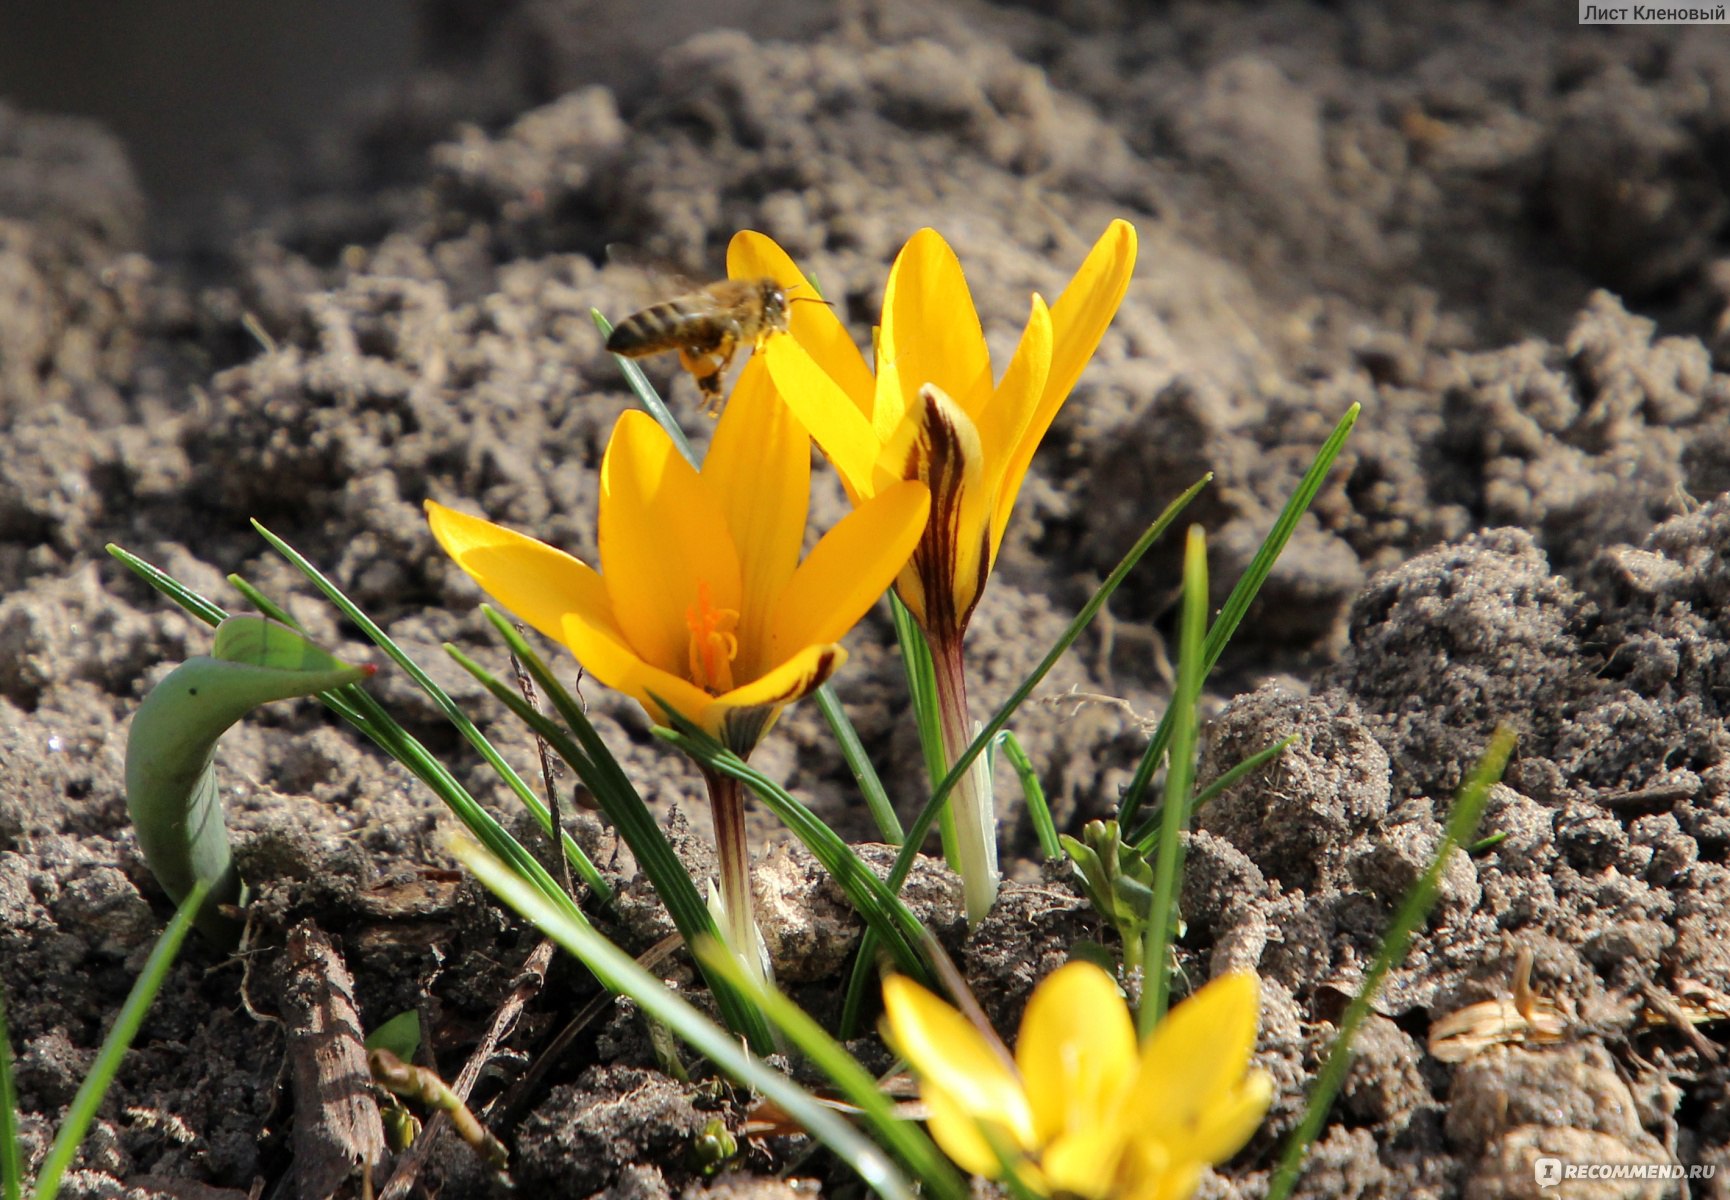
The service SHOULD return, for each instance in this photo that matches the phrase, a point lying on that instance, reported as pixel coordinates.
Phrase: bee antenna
(810, 300)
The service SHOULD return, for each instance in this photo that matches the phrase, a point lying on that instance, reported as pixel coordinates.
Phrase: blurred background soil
(314, 264)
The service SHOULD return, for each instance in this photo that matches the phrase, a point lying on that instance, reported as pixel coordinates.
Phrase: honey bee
(706, 327)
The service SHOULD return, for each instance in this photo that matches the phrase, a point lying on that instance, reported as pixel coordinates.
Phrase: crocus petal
(1012, 406)
(944, 1049)
(663, 535)
(930, 333)
(742, 716)
(1076, 1051)
(957, 1131)
(534, 582)
(800, 675)
(1082, 1162)
(851, 566)
(601, 647)
(939, 446)
(1078, 321)
(1234, 1120)
(841, 429)
(1195, 1063)
(759, 463)
(816, 326)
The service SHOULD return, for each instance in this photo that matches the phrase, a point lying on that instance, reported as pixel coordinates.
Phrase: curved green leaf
(171, 789)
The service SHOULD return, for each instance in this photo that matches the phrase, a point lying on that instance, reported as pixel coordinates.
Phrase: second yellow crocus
(933, 412)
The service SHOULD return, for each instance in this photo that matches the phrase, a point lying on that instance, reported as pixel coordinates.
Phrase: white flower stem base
(971, 800)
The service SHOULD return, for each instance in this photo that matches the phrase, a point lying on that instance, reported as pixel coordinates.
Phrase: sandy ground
(1502, 234)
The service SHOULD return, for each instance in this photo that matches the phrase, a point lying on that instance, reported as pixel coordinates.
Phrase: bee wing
(662, 276)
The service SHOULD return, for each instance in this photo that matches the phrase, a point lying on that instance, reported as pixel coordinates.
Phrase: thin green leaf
(96, 1083)
(1232, 612)
(205, 610)
(11, 1138)
(1038, 810)
(619, 801)
(1155, 984)
(646, 394)
(453, 713)
(864, 772)
(928, 815)
(881, 909)
(1414, 908)
(619, 972)
(900, 1137)
(1147, 837)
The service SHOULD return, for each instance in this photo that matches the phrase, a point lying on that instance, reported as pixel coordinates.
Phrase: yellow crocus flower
(932, 411)
(701, 602)
(1082, 1110)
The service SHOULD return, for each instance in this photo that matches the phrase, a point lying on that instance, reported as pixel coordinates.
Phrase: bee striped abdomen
(686, 322)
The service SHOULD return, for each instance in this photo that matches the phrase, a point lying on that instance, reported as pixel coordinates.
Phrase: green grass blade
(880, 908)
(1414, 908)
(95, 1086)
(1147, 837)
(1232, 612)
(646, 394)
(574, 853)
(1038, 810)
(11, 1138)
(1155, 982)
(621, 804)
(619, 972)
(902, 1138)
(928, 815)
(864, 772)
(205, 610)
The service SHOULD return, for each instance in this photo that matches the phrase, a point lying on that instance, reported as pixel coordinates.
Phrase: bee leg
(706, 370)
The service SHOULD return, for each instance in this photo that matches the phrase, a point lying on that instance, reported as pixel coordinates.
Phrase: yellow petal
(1013, 403)
(930, 332)
(662, 535)
(1078, 321)
(939, 446)
(799, 675)
(957, 1132)
(759, 464)
(817, 327)
(1082, 1162)
(851, 566)
(839, 426)
(742, 716)
(945, 1050)
(1076, 1051)
(530, 579)
(1192, 1073)
(1232, 1122)
(1169, 1180)
(601, 647)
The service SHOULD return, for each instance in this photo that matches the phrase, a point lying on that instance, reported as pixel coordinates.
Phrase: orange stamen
(713, 644)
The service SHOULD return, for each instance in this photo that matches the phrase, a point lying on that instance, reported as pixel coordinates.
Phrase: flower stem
(727, 803)
(971, 801)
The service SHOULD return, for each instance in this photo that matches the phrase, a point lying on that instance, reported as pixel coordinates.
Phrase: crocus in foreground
(702, 603)
(933, 412)
(1082, 1110)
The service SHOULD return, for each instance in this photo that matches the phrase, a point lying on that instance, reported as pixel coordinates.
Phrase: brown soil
(1503, 234)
